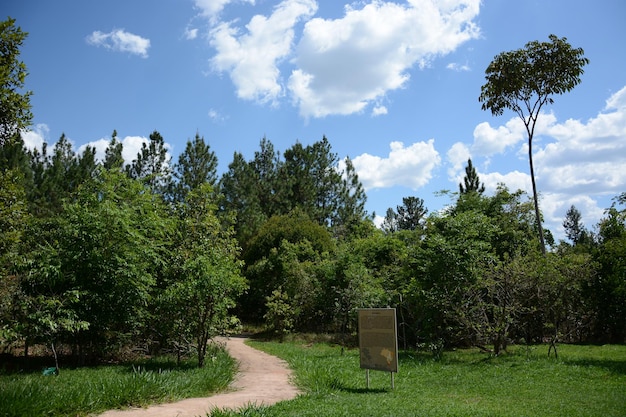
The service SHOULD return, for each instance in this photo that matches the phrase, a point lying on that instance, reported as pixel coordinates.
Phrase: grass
(83, 391)
(584, 381)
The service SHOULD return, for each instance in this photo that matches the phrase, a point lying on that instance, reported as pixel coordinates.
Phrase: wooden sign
(378, 339)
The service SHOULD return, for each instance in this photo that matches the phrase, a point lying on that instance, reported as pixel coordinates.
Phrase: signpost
(378, 341)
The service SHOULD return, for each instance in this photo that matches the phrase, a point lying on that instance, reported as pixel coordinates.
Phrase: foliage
(205, 276)
(471, 181)
(15, 107)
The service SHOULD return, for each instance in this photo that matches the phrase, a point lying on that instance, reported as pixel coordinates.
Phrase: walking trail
(262, 380)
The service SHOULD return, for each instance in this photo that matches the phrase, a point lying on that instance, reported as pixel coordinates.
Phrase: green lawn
(83, 391)
(584, 381)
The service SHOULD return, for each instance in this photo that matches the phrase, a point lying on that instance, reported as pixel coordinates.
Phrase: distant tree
(197, 165)
(574, 228)
(152, 165)
(390, 222)
(240, 199)
(524, 81)
(113, 158)
(15, 107)
(411, 213)
(351, 212)
(471, 181)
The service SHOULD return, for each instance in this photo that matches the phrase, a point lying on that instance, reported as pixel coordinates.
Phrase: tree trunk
(535, 198)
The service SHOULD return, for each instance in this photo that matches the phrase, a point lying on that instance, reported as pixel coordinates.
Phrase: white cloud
(34, 138)
(120, 41)
(191, 33)
(489, 141)
(216, 116)
(454, 66)
(410, 167)
(99, 145)
(379, 110)
(576, 162)
(131, 146)
(212, 8)
(457, 155)
(346, 64)
(251, 58)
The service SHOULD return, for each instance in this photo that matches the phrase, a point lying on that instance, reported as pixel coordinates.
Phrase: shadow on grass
(613, 366)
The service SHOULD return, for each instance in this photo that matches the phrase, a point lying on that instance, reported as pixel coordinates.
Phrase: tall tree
(197, 165)
(15, 113)
(113, 158)
(239, 198)
(411, 213)
(524, 81)
(152, 164)
(471, 181)
(351, 210)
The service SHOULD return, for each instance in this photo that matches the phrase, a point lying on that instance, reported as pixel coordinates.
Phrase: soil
(262, 380)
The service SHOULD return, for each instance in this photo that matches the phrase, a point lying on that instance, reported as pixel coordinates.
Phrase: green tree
(526, 80)
(282, 255)
(574, 227)
(15, 107)
(152, 165)
(239, 198)
(206, 273)
(197, 165)
(351, 212)
(471, 181)
(608, 290)
(110, 246)
(411, 213)
(113, 158)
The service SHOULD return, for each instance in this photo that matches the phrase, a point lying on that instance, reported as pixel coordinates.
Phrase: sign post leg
(367, 377)
(393, 384)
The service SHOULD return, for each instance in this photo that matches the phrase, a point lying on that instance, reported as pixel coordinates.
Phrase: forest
(99, 256)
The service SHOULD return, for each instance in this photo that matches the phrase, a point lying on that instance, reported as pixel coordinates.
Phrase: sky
(393, 85)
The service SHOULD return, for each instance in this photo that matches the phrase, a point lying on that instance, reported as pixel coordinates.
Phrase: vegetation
(584, 381)
(100, 256)
(90, 390)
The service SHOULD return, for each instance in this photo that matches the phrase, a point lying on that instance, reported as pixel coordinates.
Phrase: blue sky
(392, 85)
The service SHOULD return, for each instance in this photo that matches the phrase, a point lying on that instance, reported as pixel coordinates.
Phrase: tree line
(99, 255)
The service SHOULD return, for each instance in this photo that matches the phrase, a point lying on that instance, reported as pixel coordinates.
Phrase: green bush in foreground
(584, 381)
(79, 392)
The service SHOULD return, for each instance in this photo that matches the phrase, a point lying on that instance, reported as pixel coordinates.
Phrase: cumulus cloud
(212, 8)
(35, 137)
(339, 66)
(131, 146)
(576, 162)
(410, 167)
(343, 65)
(252, 57)
(120, 41)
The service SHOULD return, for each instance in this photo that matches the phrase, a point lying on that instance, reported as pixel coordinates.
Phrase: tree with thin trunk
(524, 81)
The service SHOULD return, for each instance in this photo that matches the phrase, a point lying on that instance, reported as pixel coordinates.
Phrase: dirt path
(262, 379)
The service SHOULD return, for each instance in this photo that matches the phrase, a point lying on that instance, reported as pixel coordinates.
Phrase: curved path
(262, 380)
